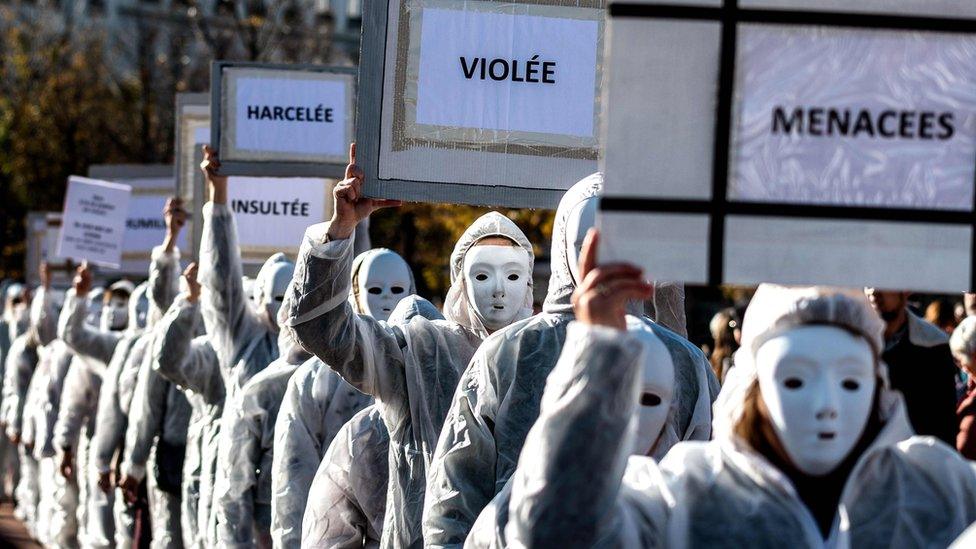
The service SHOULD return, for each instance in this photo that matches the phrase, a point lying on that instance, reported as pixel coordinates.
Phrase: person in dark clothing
(920, 365)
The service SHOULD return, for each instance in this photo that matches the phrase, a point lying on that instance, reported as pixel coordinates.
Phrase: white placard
(145, 227)
(854, 117)
(272, 213)
(93, 223)
(508, 72)
(286, 115)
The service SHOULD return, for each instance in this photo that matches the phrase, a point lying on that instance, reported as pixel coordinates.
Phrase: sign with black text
(93, 221)
(840, 148)
(282, 120)
(480, 102)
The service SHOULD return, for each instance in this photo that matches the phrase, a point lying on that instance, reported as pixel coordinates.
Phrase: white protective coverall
(191, 363)
(110, 521)
(21, 361)
(903, 491)
(9, 330)
(159, 415)
(500, 392)
(412, 379)
(243, 502)
(350, 484)
(317, 403)
(245, 339)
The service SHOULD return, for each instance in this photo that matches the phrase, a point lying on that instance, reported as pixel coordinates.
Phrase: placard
(282, 120)
(273, 213)
(192, 132)
(840, 148)
(94, 221)
(152, 185)
(480, 102)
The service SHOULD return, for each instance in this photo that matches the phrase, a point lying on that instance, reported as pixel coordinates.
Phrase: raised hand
(211, 169)
(193, 287)
(175, 217)
(351, 206)
(82, 282)
(601, 299)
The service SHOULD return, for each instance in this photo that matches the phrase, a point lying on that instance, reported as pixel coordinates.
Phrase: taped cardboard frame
(718, 208)
(273, 168)
(192, 110)
(369, 130)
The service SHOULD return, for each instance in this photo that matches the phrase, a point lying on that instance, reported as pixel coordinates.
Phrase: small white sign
(93, 223)
(854, 118)
(282, 115)
(272, 213)
(508, 72)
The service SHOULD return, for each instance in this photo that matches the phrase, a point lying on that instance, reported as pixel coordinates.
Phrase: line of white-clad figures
(329, 406)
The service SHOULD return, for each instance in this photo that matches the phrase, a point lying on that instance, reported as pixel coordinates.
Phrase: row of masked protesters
(323, 403)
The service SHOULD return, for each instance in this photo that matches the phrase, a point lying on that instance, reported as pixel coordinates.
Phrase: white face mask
(384, 279)
(818, 383)
(115, 314)
(269, 290)
(657, 392)
(581, 219)
(497, 279)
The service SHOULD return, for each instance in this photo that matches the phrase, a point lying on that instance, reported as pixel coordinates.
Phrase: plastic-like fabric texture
(244, 342)
(27, 489)
(353, 508)
(411, 373)
(669, 307)
(457, 307)
(316, 404)
(963, 338)
(350, 487)
(246, 455)
(83, 339)
(500, 392)
(164, 510)
(192, 365)
(903, 491)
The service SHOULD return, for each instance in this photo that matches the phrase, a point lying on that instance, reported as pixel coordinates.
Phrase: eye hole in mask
(375, 290)
(397, 290)
(793, 383)
(851, 385)
(513, 277)
(279, 298)
(650, 399)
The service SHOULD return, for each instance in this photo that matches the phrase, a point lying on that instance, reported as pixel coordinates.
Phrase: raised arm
(188, 362)
(225, 309)
(84, 339)
(164, 267)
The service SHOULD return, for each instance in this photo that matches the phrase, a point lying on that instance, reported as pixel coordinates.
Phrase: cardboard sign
(480, 102)
(94, 221)
(273, 213)
(192, 132)
(279, 120)
(145, 226)
(840, 148)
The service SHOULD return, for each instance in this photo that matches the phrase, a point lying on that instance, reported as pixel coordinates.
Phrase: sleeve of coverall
(110, 422)
(54, 396)
(586, 409)
(84, 339)
(75, 405)
(240, 456)
(43, 317)
(183, 359)
(225, 308)
(322, 320)
(164, 277)
(21, 362)
(146, 414)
